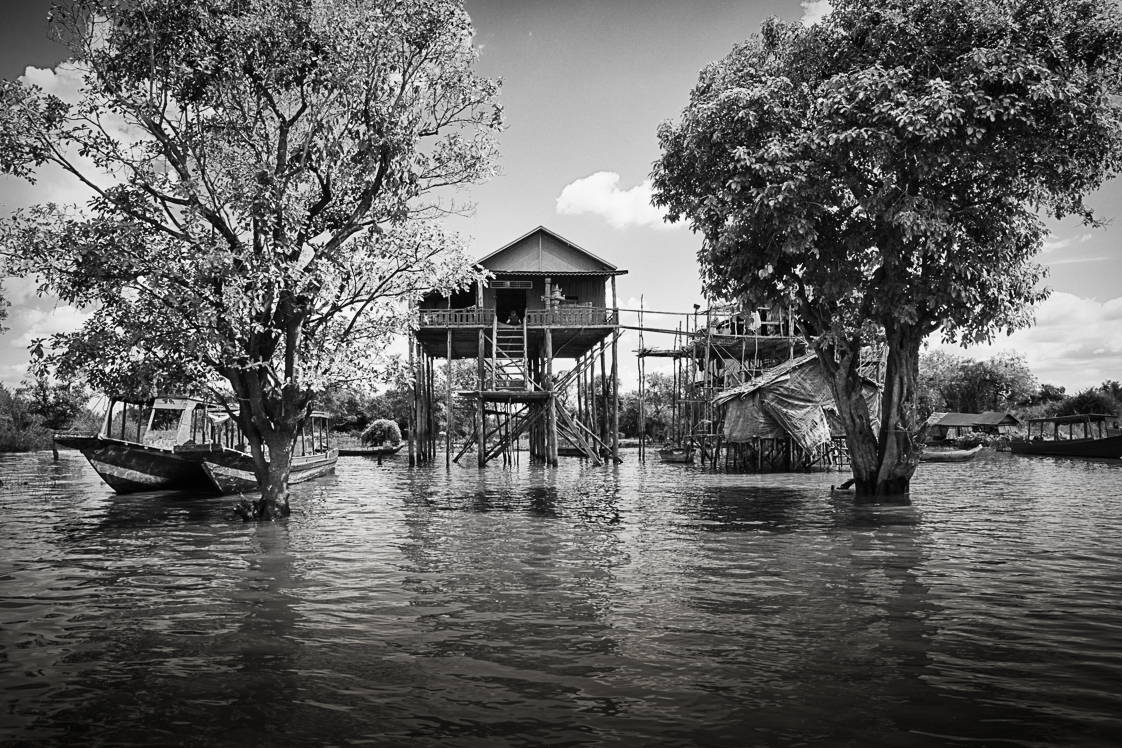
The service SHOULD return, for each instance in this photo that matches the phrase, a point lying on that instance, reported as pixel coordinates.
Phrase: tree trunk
(273, 503)
(842, 364)
(271, 421)
(898, 449)
(883, 462)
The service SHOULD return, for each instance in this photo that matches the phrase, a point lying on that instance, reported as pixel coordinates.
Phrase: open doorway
(510, 300)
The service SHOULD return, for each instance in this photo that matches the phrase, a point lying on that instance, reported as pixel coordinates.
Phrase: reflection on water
(638, 605)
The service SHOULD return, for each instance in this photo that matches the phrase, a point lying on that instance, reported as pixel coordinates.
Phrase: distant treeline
(955, 384)
(37, 408)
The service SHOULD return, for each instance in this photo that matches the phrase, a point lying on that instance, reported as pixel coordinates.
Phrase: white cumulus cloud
(37, 323)
(814, 11)
(1076, 342)
(601, 195)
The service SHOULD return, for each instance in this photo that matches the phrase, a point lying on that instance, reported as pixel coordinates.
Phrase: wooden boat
(230, 468)
(950, 455)
(382, 451)
(676, 454)
(1090, 435)
(135, 449)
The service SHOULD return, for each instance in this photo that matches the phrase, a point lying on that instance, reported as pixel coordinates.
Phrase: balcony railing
(457, 317)
(565, 316)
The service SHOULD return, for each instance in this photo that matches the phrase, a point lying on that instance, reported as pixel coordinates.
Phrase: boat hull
(951, 455)
(130, 468)
(230, 471)
(370, 451)
(1111, 446)
(680, 456)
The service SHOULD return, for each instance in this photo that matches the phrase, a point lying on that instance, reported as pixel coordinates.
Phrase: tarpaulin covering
(793, 399)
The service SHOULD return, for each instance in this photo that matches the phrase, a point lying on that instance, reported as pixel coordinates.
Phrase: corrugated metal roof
(996, 418)
(958, 419)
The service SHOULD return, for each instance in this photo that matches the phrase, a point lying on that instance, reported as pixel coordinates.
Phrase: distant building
(943, 426)
(996, 422)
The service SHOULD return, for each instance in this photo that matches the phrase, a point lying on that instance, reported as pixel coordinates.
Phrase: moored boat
(676, 454)
(231, 469)
(383, 451)
(950, 455)
(1087, 435)
(135, 449)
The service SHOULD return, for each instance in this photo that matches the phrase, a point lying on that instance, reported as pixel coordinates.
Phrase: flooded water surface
(638, 605)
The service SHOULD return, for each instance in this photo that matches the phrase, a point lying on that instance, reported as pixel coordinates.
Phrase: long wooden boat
(950, 455)
(231, 469)
(135, 449)
(676, 454)
(382, 451)
(1090, 435)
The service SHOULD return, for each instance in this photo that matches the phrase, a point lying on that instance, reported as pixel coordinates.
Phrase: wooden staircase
(508, 359)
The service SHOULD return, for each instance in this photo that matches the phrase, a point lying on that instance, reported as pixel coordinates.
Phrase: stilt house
(547, 299)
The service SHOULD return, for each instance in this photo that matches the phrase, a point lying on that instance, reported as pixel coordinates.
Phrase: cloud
(37, 323)
(1052, 245)
(1076, 342)
(1080, 259)
(814, 11)
(600, 195)
(19, 290)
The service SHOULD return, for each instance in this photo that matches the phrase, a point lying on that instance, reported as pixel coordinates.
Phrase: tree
(881, 172)
(1089, 401)
(263, 193)
(56, 404)
(381, 431)
(938, 382)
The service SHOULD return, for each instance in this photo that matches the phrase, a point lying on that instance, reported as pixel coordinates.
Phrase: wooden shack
(786, 419)
(547, 299)
(996, 422)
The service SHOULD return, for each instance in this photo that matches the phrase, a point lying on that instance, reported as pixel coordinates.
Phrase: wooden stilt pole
(450, 415)
(480, 426)
(413, 408)
(615, 375)
(551, 404)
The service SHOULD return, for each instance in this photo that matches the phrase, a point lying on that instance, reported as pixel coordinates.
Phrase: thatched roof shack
(791, 400)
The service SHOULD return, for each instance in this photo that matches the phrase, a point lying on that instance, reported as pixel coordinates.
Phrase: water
(639, 605)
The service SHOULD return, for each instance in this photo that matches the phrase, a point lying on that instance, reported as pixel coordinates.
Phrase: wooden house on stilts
(547, 300)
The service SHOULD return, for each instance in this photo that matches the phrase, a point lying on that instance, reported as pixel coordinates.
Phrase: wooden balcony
(574, 330)
(565, 316)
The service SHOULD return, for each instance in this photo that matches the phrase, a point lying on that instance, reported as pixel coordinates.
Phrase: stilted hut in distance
(786, 419)
(547, 300)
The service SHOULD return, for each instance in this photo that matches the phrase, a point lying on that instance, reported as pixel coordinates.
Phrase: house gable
(542, 252)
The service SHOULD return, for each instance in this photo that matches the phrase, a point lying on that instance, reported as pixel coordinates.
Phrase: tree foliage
(382, 431)
(883, 170)
(962, 385)
(264, 178)
(1090, 401)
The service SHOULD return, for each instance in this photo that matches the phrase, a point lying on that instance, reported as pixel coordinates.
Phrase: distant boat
(382, 451)
(135, 449)
(676, 454)
(950, 455)
(1088, 435)
(231, 468)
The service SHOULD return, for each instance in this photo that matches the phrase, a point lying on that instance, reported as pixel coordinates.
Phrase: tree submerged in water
(262, 180)
(882, 172)
(382, 431)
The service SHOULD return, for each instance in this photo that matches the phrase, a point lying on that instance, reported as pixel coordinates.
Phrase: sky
(585, 85)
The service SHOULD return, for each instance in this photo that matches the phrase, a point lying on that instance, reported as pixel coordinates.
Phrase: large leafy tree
(264, 174)
(884, 172)
(952, 383)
